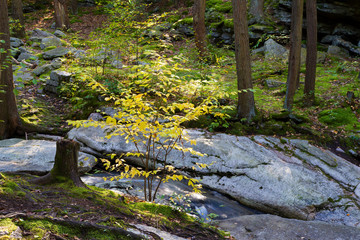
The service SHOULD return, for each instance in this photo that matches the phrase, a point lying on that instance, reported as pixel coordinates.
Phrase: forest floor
(63, 211)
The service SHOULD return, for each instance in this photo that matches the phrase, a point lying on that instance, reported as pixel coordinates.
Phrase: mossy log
(65, 166)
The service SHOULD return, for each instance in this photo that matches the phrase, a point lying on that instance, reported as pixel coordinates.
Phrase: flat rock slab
(270, 227)
(290, 178)
(18, 155)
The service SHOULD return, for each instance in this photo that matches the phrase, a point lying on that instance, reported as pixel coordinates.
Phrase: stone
(50, 42)
(274, 51)
(40, 33)
(55, 80)
(56, 63)
(36, 156)
(15, 52)
(347, 45)
(17, 234)
(16, 42)
(272, 227)
(271, 83)
(337, 51)
(117, 64)
(346, 31)
(287, 177)
(23, 74)
(27, 56)
(357, 190)
(59, 34)
(353, 153)
(54, 53)
(42, 69)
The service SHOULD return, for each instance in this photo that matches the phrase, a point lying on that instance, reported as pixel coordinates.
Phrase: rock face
(298, 180)
(270, 227)
(34, 156)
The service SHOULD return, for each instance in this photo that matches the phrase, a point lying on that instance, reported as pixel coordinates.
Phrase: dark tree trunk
(9, 117)
(199, 27)
(311, 48)
(61, 14)
(246, 103)
(73, 5)
(295, 52)
(65, 166)
(18, 15)
(257, 9)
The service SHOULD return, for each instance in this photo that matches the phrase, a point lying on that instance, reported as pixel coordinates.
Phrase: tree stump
(65, 166)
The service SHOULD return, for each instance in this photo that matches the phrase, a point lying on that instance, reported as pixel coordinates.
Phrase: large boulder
(55, 53)
(37, 156)
(16, 42)
(274, 51)
(56, 78)
(270, 227)
(50, 42)
(291, 178)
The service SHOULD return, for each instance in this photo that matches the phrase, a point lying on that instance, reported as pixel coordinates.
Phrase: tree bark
(246, 103)
(311, 48)
(295, 52)
(65, 166)
(199, 27)
(61, 14)
(17, 14)
(257, 10)
(9, 117)
(73, 5)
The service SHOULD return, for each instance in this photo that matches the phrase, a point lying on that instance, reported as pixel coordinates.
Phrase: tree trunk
(65, 166)
(73, 6)
(199, 27)
(18, 15)
(9, 117)
(295, 52)
(246, 103)
(311, 48)
(257, 10)
(61, 14)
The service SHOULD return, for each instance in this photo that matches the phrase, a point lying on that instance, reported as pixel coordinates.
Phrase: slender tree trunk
(73, 5)
(199, 27)
(246, 103)
(17, 14)
(257, 9)
(61, 14)
(65, 166)
(311, 48)
(9, 117)
(295, 52)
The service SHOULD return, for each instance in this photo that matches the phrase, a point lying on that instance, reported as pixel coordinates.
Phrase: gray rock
(353, 153)
(271, 83)
(16, 42)
(56, 63)
(42, 69)
(15, 52)
(40, 33)
(274, 51)
(59, 34)
(34, 156)
(50, 42)
(117, 64)
(17, 234)
(27, 56)
(96, 117)
(54, 53)
(357, 190)
(347, 45)
(302, 181)
(55, 80)
(270, 227)
(23, 74)
(337, 51)
(79, 54)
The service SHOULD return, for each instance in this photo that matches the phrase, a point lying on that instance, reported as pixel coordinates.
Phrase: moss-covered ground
(63, 211)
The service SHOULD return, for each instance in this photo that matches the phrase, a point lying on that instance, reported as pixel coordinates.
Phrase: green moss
(338, 117)
(219, 5)
(49, 48)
